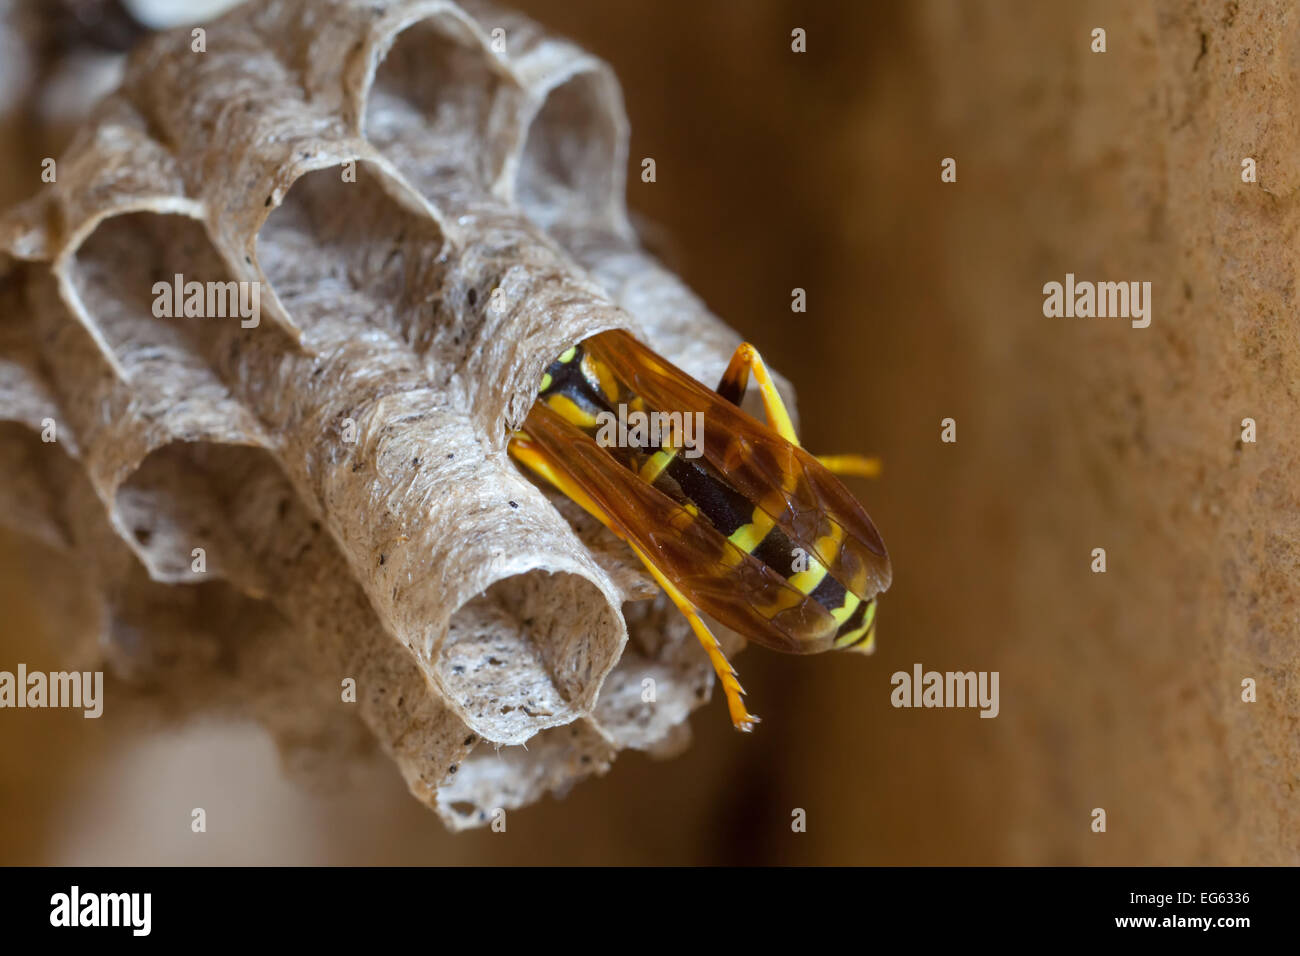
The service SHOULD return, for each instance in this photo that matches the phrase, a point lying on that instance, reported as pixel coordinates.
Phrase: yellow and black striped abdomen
(584, 392)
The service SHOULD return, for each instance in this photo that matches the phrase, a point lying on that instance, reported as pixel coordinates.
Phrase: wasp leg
(858, 465)
(741, 718)
(537, 461)
(745, 361)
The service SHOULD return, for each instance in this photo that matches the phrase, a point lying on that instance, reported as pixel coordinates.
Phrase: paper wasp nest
(427, 201)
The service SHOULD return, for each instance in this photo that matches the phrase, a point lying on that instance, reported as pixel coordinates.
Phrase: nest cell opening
(531, 650)
(231, 501)
(337, 248)
(570, 170)
(118, 275)
(436, 107)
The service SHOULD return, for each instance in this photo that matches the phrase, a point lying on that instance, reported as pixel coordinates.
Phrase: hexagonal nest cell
(311, 493)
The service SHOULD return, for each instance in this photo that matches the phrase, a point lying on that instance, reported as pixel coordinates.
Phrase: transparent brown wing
(723, 581)
(795, 490)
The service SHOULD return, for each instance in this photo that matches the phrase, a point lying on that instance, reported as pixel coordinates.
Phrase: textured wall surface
(1120, 691)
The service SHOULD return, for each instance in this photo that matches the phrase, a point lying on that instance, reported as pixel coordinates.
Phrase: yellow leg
(745, 361)
(535, 459)
(858, 465)
(741, 718)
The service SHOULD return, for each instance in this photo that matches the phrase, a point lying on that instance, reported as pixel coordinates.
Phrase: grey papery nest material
(413, 309)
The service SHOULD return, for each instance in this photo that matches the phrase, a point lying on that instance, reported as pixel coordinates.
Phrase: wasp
(740, 524)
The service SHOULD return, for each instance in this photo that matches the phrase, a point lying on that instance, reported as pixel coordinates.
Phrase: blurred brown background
(821, 171)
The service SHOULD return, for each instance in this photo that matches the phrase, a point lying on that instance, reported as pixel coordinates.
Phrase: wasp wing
(806, 501)
(723, 581)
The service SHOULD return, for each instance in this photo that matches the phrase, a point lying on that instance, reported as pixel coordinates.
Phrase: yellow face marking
(571, 412)
(599, 374)
(546, 381)
(568, 354)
